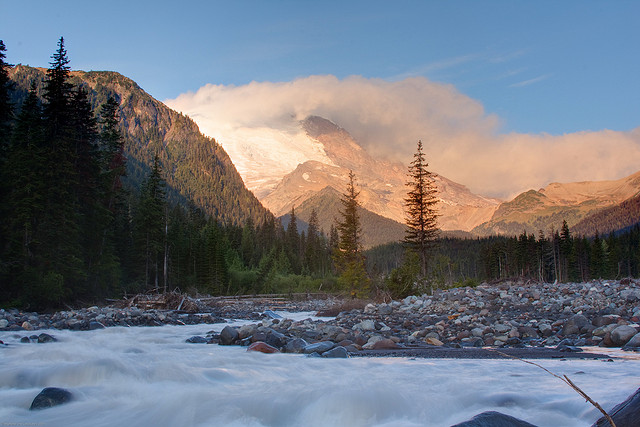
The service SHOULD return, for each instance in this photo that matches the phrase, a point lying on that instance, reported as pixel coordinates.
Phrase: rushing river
(151, 377)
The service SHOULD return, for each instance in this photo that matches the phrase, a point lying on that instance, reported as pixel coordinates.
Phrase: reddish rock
(262, 347)
(385, 344)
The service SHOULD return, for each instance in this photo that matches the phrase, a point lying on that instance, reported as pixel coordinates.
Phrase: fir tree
(292, 242)
(348, 256)
(150, 226)
(421, 210)
(24, 204)
(6, 108)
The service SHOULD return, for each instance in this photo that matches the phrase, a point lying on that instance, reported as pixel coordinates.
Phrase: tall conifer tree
(348, 257)
(421, 213)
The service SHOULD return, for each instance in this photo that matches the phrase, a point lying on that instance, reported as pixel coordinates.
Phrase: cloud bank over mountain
(461, 140)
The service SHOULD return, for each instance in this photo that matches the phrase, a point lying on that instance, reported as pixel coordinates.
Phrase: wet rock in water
(296, 345)
(45, 338)
(25, 340)
(319, 347)
(336, 353)
(93, 325)
(625, 414)
(197, 340)
(275, 338)
(622, 334)
(262, 347)
(494, 419)
(229, 335)
(51, 396)
(272, 315)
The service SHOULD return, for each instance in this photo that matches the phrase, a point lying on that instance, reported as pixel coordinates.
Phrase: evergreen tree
(6, 108)
(150, 226)
(421, 210)
(292, 242)
(312, 249)
(24, 202)
(348, 256)
(61, 230)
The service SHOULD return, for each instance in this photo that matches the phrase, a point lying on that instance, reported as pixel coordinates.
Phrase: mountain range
(306, 167)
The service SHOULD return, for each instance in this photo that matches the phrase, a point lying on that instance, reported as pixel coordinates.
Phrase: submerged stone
(262, 347)
(494, 419)
(51, 396)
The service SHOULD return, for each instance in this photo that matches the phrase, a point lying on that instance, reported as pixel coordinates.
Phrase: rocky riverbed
(509, 315)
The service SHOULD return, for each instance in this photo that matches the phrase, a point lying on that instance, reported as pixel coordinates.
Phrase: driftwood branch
(564, 379)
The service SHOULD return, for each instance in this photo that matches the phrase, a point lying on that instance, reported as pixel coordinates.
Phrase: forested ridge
(196, 167)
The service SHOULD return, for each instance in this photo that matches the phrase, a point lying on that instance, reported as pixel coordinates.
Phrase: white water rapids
(149, 376)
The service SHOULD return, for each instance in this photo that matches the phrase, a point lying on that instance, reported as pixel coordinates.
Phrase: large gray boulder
(622, 334)
(575, 324)
(626, 414)
(229, 335)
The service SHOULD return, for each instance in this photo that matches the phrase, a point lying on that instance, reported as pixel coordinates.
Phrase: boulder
(494, 419)
(622, 334)
(633, 343)
(625, 414)
(93, 325)
(575, 324)
(384, 344)
(365, 325)
(275, 338)
(433, 341)
(296, 345)
(51, 396)
(336, 353)
(262, 347)
(229, 335)
(197, 340)
(319, 347)
(45, 338)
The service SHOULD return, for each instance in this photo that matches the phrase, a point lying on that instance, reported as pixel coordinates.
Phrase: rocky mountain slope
(196, 168)
(548, 207)
(382, 184)
(607, 220)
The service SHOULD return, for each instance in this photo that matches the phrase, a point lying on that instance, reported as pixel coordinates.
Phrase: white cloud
(462, 142)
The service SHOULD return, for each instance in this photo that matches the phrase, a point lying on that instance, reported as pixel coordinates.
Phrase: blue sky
(541, 66)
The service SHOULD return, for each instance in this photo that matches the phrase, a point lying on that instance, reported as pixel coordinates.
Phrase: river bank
(563, 317)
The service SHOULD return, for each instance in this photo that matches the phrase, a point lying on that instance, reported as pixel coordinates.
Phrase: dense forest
(100, 202)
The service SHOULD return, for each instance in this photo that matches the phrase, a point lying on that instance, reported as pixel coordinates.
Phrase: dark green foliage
(6, 107)
(348, 256)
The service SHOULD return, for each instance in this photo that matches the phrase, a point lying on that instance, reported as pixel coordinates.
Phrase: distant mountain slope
(376, 229)
(381, 183)
(607, 220)
(196, 167)
(548, 207)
